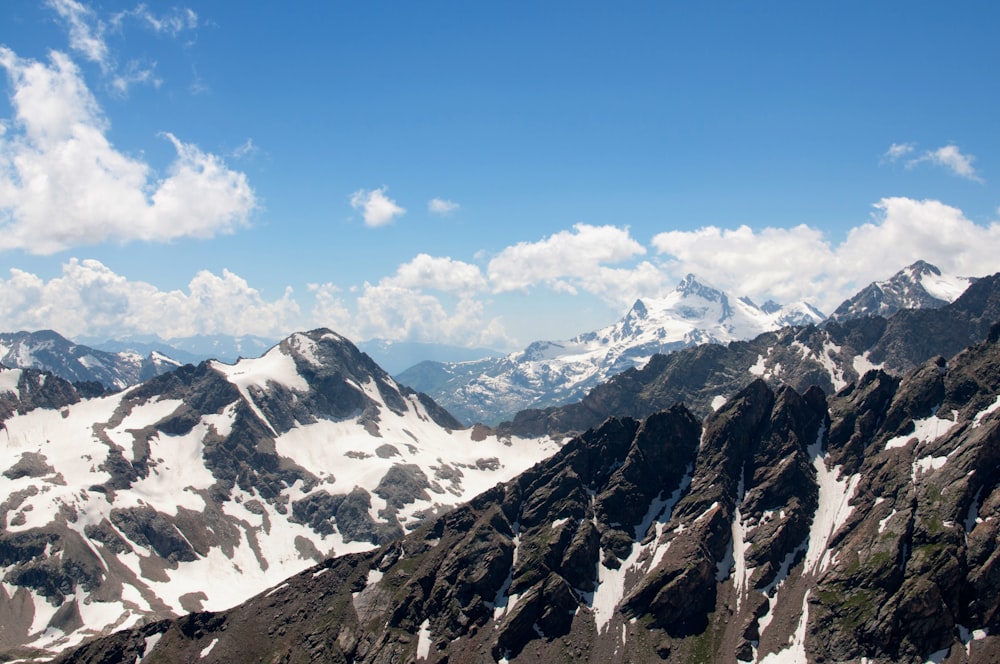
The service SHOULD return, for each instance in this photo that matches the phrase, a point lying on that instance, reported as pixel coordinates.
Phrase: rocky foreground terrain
(784, 526)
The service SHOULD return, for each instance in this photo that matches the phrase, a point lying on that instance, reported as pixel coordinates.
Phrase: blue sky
(478, 173)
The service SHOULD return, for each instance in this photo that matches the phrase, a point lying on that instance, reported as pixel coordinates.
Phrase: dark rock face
(857, 526)
(35, 389)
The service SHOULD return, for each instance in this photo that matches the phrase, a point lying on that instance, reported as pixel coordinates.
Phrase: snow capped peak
(556, 372)
(917, 286)
(691, 287)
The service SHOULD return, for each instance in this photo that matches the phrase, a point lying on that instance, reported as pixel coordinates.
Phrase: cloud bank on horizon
(446, 299)
(65, 186)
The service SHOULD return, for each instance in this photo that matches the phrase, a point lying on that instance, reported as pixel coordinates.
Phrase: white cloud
(801, 263)
(63, 184)
(134, 73)
(86, 31)
(247, 149)
(175, 21)
(388, 310)
(438, 273)
(441, 206)
(897, 151)
(569, 261)
(400, 307)
(377, 208)
(435, 298)
(784, 264)
(88, 34)
(89, 298)
(951, 158)
(904, 230)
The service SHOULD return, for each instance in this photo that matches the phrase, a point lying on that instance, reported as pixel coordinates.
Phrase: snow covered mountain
(784, 527)
(205, 485)
(555, 372)
(917, 286)
(48, 351)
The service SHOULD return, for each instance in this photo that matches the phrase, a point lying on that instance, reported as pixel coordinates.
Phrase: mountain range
(831, 356)
(552, 373)
(860, 526)
(187, 350)
(48, 351)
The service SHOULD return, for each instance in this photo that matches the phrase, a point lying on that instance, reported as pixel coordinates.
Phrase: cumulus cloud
(376, 208)
(570, 261)
(429, 298)
(441, 206)
(781, 263)
(802, 263)
(89, 298)
(63, 184)
(439, 298)
(903, 230)
(439, 273)
(390, 310)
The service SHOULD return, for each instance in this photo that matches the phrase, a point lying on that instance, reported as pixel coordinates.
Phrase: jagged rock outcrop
(786, 526)
(24, 390)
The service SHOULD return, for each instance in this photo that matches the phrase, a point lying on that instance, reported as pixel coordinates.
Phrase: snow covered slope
(555, 372)
(205, 485)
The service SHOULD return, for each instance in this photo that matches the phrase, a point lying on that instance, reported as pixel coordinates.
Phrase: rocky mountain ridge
(917, 286)
(204, 485)
(784, 527)
(46, 350)
(189, 350)
(557, 372)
